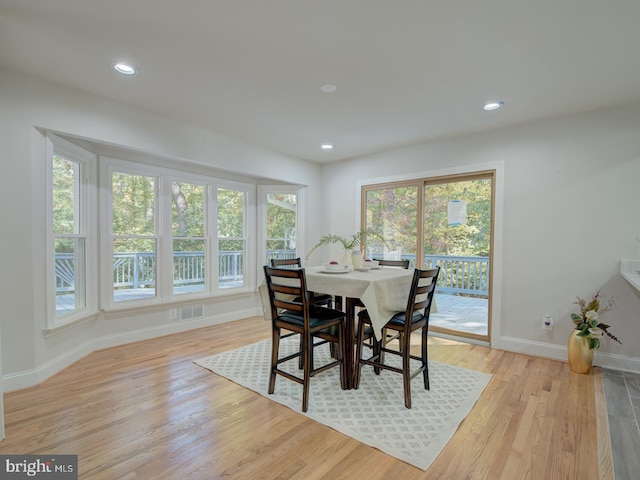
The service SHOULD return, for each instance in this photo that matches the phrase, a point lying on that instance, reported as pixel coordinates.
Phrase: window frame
(109, 166)
(167, 232)
(249, 231)
(86, 202)
(163, 233)
(263, 192)
(495, 172)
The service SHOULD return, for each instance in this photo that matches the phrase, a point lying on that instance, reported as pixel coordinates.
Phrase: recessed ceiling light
(124, 68)
(328, 88)
(493, 106)
(326, 146)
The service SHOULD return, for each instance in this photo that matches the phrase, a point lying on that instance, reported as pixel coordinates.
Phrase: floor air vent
(191, 312)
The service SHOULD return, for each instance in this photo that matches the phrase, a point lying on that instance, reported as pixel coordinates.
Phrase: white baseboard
(30, 378)
(558, 352)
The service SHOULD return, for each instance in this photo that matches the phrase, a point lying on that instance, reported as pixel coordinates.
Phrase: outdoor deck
(464, 314)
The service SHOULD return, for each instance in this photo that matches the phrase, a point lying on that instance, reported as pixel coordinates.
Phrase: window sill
(120, 310)
(69, 324)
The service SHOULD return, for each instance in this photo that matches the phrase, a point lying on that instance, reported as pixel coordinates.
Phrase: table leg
(350, 310)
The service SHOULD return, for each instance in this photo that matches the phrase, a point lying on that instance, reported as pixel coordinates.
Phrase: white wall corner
(30, 378)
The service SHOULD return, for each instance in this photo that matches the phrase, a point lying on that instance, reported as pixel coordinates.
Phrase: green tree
(64, 214)
(231, 207)
(468, 239)
(281, 221)
(393, 211)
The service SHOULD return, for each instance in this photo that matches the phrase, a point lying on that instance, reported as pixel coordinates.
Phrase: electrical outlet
(173, 314)
(547, 322)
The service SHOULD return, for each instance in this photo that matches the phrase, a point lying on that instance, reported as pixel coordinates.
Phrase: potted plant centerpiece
(351, 244)
(585, 338)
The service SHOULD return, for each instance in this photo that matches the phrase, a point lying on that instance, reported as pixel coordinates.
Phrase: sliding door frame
(495, 171)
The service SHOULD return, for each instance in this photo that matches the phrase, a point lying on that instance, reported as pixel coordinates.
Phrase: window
(172, 236)
(281, 222)
(282, 215)
(133, 236)
(188, 231)
(71, 233)
(393, 212)
(232, 242)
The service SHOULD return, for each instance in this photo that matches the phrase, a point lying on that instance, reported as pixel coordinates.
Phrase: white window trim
(164, 288)
(249, 233)
(88, 221)
(263, 191)
(165, 247)
(107, 167)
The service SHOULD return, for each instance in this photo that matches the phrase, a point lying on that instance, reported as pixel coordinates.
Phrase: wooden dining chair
(415, 317)
(323, 299)
(292, 310)
(392, 263)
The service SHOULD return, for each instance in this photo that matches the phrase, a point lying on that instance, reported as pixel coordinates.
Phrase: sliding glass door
(445, 222)
(457, 232)
(392, 210)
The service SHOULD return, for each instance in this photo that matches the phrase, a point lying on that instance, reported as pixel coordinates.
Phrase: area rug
(375, 413)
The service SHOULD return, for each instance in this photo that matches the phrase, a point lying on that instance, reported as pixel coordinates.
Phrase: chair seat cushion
(317, 317)
(400, 318)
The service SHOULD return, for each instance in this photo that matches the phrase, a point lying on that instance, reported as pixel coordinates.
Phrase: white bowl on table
(337, 268)
(371, 264)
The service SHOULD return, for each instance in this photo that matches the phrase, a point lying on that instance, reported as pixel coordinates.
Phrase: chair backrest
(423, 287)
(286, 262)
(393, 263)
(287, 291)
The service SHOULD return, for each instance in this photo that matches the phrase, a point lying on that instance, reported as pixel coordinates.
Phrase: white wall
(28, 355)
(571, 212)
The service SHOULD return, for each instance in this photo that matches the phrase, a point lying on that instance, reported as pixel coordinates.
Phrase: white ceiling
(407, 71)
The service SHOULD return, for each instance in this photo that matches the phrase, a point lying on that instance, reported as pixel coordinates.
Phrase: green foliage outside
(393, 212)
(64, 177)
(281, 221)
(188, 210)
(231, 210)
(472, 238)
(133, 212)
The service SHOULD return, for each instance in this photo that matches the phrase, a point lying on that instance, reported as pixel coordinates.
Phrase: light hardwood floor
(146, 411)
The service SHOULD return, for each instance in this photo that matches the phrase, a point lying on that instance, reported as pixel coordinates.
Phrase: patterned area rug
(375, 413)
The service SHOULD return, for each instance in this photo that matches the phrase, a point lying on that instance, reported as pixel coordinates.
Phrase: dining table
(383, 291)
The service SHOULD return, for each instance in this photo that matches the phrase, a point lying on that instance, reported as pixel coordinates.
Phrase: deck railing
(458, 275)
(461, 275)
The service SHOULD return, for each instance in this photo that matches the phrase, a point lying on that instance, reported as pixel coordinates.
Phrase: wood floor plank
(145, 410)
